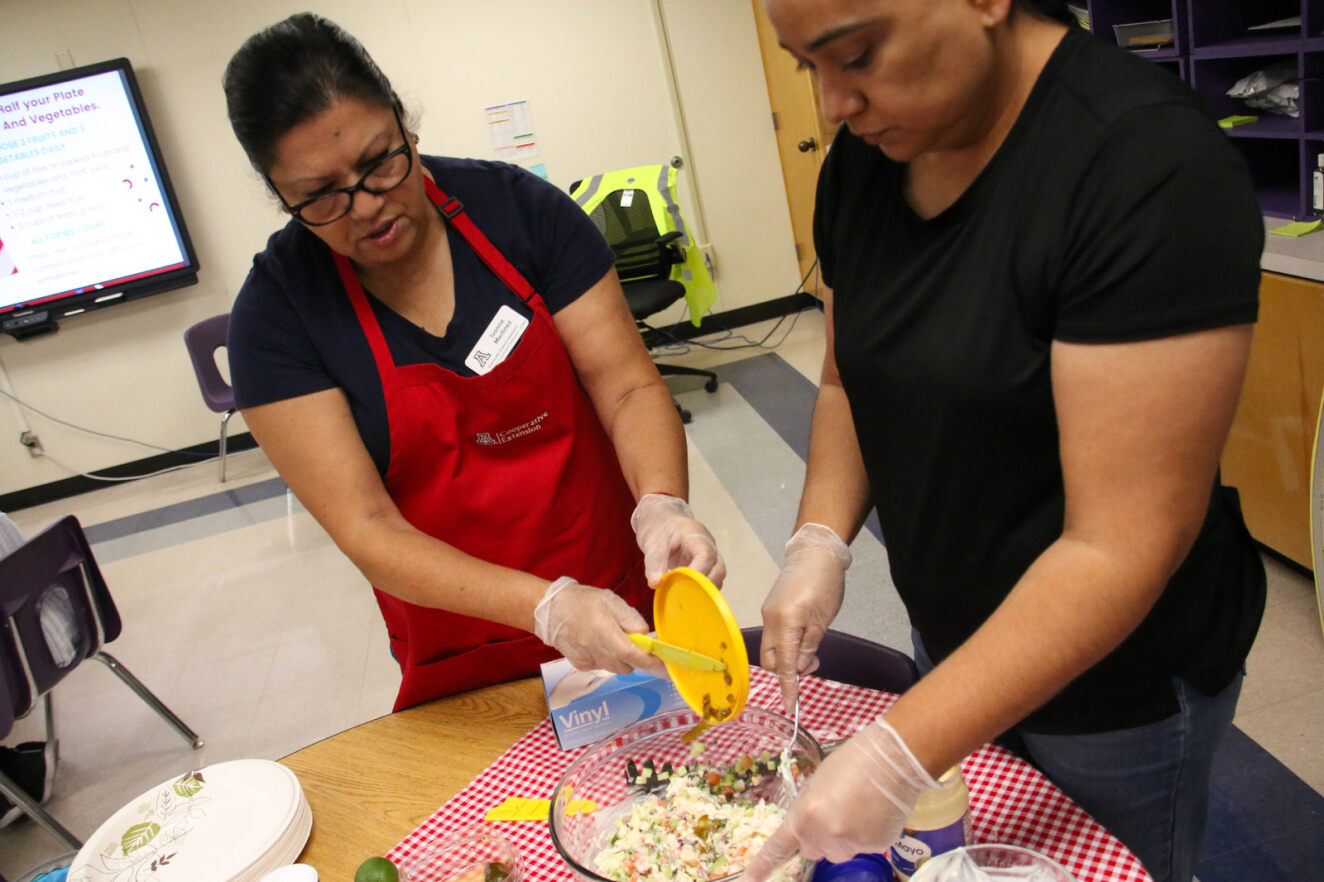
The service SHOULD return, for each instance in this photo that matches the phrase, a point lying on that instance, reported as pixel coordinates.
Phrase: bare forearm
(649, 440)
(1141, 427)
(628, 395)
(1072, 607)
(400, 560)
(836, 491)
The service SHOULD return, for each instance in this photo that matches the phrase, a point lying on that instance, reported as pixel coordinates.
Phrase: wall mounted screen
(87, 214)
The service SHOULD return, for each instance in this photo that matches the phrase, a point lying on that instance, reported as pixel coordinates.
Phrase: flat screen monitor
(87, 214)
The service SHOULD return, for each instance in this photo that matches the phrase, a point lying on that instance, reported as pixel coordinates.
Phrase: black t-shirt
(293, 331)
(1114, 211)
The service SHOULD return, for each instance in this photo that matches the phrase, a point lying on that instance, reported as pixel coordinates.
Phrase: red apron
(512, 467)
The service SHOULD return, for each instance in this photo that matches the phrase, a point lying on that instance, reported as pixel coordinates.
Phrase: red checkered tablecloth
(1010, 802)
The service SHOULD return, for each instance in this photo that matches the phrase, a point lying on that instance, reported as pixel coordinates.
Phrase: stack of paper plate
(230, 822)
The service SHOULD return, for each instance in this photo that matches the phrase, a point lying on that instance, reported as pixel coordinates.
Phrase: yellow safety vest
(660, 182)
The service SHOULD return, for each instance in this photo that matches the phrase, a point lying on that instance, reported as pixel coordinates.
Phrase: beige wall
(594, 71)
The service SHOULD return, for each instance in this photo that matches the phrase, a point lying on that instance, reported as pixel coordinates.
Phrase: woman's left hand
(669, 536)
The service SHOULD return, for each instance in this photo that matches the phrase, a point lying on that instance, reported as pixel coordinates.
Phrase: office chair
(55, 611)
(656, 259)
(202, 340)
(854, 660)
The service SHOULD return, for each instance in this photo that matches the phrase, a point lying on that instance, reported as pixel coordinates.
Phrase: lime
(377, 869)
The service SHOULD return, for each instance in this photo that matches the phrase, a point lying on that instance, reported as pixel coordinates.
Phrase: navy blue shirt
(293, 331)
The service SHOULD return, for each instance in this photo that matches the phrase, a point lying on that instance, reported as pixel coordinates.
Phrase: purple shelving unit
(1217, 42)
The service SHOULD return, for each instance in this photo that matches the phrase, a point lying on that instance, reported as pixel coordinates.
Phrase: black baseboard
(67, 487)
(712, 324)
(718, 323)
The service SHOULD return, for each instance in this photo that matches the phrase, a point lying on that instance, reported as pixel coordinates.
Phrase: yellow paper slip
(519, 808)
(1297, 228)
(1231, 122)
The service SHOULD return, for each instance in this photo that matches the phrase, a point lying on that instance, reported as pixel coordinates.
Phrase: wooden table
(371, 786)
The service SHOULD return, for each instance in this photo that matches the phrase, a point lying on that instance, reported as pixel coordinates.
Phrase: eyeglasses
(332, 205)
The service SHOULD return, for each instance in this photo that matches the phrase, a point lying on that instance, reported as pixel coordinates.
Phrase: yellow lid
(690, 612)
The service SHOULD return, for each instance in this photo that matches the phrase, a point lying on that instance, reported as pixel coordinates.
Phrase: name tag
(497, 342)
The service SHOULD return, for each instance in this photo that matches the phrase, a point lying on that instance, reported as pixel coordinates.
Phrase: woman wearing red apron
(473, 435)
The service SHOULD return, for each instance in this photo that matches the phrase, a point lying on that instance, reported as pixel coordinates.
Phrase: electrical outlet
(32, 443)
(709, 259)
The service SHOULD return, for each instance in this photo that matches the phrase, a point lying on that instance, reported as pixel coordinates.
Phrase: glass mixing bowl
(612, 773)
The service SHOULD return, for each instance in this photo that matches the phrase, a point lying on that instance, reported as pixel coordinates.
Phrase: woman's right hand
(589, 625)
(856, 802)
(802, 603)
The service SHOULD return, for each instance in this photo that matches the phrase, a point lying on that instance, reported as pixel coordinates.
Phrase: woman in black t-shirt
(1043, 258)
(461, 401)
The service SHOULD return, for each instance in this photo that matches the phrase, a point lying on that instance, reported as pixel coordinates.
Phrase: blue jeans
(1148, 785)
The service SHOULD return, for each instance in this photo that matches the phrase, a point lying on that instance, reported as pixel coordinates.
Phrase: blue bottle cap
(861, 868)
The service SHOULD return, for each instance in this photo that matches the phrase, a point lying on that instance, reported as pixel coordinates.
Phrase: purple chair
(202, 340)
(55, 611)
(854, 660)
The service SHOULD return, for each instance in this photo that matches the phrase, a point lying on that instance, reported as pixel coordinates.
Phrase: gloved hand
(856, 802)
(802, 603)
(588, 625)
(670, 537)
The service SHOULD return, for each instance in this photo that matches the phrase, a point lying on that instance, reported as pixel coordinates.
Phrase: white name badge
(497, 342)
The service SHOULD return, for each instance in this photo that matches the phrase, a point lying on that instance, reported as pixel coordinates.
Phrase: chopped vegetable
(693, 831)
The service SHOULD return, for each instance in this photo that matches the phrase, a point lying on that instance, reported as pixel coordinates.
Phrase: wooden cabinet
(1272, 442)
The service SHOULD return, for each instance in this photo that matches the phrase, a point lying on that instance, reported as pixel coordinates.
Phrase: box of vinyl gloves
(587, 706)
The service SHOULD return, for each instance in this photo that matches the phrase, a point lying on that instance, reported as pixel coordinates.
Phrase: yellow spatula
(676, 655)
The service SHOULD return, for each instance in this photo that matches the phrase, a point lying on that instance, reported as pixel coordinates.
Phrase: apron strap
(453, 210)
(381, 353)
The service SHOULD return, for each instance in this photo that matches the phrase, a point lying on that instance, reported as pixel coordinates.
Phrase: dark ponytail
(1055, 10)
(289, 73)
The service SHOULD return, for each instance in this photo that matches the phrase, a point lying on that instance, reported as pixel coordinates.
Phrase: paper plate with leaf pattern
(217, 824)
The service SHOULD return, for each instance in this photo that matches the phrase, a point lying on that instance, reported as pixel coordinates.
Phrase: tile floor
(243, 617)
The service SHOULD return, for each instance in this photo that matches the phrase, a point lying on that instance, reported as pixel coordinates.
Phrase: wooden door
(802, 138)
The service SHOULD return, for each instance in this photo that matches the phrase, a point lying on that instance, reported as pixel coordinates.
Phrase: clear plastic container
(939, 823)
(992, 863)
(1144, 34)
(479, 855)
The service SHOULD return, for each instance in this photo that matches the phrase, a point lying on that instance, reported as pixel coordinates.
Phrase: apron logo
(487, 439)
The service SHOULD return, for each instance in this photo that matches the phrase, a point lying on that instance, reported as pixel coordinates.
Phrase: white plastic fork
(784, 761)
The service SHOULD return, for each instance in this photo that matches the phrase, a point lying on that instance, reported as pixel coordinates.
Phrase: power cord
(69, 468)
(21, 403)
(678, 346)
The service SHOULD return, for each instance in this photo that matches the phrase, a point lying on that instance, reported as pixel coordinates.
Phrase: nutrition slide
(80, 204)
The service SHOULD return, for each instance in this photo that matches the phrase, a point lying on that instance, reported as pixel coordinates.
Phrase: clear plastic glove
(802, 603)
(588, 626)
(670, 537)
(857, 802)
